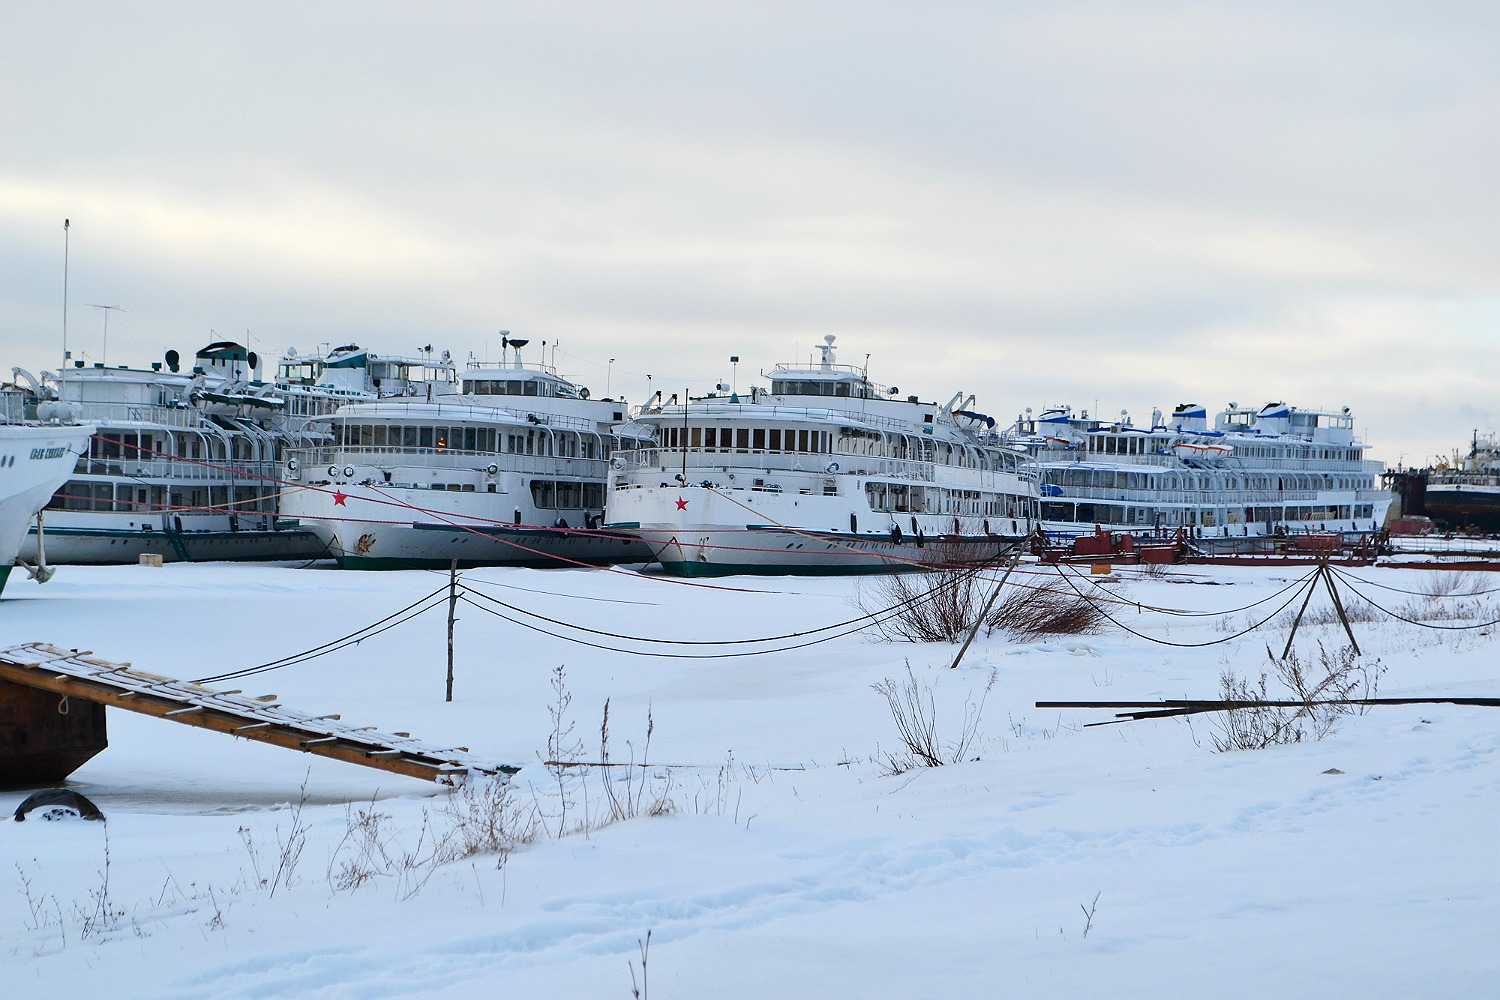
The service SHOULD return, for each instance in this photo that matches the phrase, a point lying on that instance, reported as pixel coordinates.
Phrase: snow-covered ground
(791, 863)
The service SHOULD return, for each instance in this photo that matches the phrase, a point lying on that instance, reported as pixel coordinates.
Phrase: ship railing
(196, 470)
(420, 411)
(1453, 478)
(1231, 463)
(13, 406)
(668, 459)
(813, 413)
(1192, 497)
(141, 413)
(316, 460)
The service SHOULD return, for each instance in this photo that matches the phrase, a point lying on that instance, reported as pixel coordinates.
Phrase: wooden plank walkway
(80, 675)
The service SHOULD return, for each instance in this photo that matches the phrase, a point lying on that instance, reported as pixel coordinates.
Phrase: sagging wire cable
(868, 620)
(1184, 645)
(667, 656)
(471, 583)
(357, 636)
(1411, 621)
(1194, 614)
(1418, 593)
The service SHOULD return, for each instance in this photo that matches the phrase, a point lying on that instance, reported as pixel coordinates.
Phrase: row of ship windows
(144, 446)
(565, 444)
(746, 439)
(1092, 513)
(792, 387)
(904, 499)
(1110, 479)
(510, 387)
(848, 442)
(565, 495)
(1107, 444)
(131, 499)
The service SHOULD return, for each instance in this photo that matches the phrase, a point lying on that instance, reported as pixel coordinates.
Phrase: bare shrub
(1036, 611)
(360, 854)
(938, 605)
(915, 713)
(485, 817)
(1311, 717)
(1152, 571)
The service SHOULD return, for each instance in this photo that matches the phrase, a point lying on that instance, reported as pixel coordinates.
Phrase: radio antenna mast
(104, 351)
(62, 374)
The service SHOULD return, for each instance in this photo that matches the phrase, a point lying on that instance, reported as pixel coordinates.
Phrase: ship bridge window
(547, 494)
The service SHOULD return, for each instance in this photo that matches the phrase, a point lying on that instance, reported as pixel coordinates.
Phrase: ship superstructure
(509, 471)
(1275, 470)
(184, 464)
(1465, 493)
(824, 473)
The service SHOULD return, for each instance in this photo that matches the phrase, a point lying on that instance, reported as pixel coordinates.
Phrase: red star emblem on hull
(339, 498)
(681, 504)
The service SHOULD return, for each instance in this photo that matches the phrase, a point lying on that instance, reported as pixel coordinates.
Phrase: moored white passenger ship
(511, 471)
(183, 464)
(1277, 470)
(36, 455)
(823, 474)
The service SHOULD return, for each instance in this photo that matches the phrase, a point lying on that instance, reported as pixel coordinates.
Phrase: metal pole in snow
(452, 606)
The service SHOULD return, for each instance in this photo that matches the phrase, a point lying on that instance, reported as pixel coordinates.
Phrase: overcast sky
(1108, 205)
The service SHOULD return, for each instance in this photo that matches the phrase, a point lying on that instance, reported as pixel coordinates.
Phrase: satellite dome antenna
(516, 343)
(827, 349)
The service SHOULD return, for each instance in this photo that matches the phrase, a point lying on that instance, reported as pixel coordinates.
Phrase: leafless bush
(915, 714)
(485, 817)
(1035, 611)
(938, 605)
(360, 854)
(1310, 717)
(1153, 571)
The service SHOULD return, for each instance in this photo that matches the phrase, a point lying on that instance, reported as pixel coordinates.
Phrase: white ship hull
(34, 462)
(701, 531)
(400, 527)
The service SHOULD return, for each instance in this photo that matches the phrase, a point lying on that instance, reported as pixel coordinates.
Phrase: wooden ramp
(79, 675)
